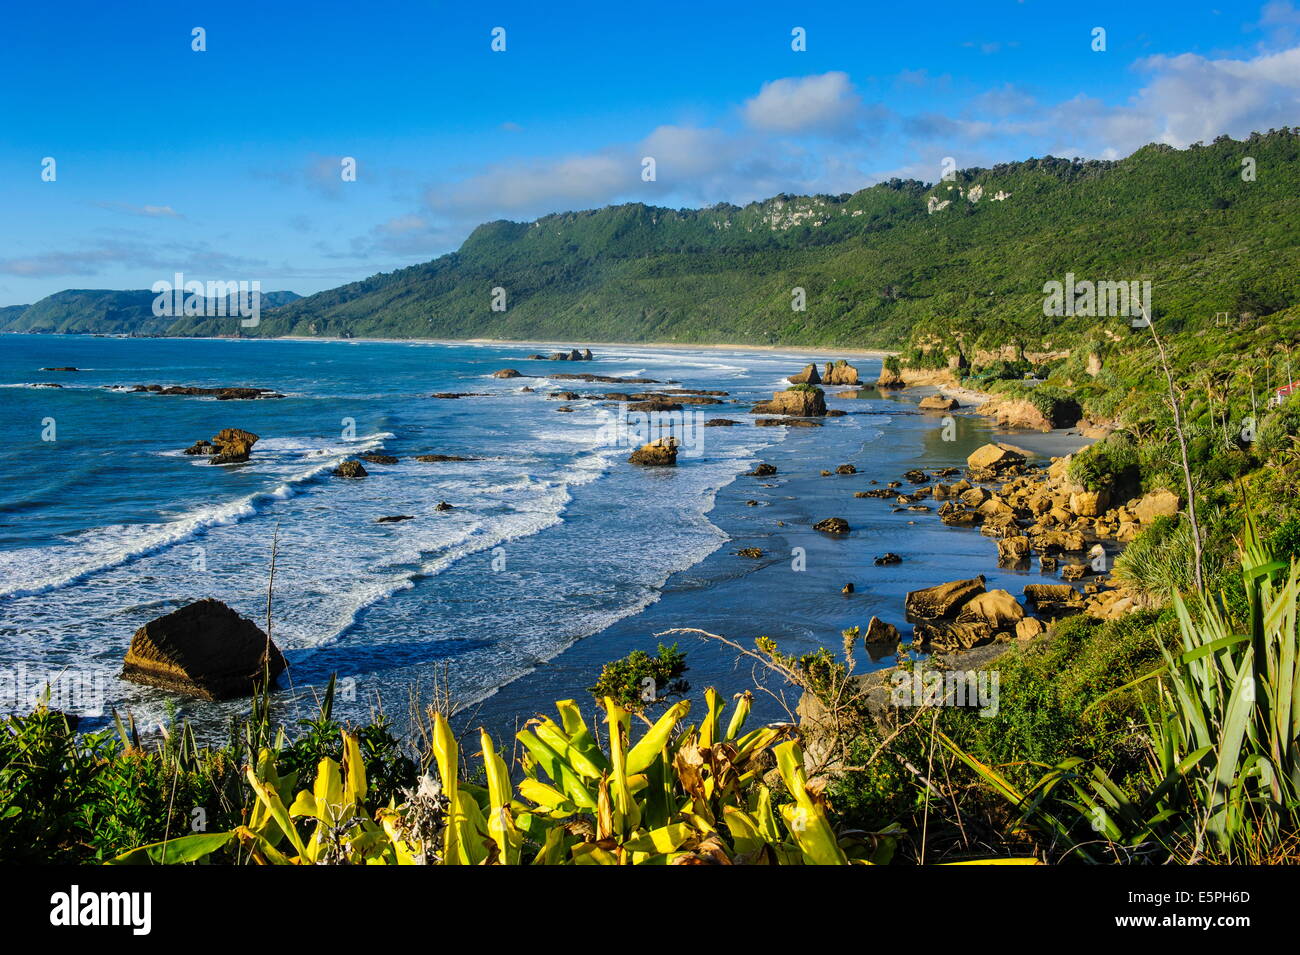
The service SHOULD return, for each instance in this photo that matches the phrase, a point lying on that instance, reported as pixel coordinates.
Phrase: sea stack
(204, 649)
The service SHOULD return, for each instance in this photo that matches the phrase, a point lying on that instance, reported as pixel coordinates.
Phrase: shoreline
(738, 598)
(818, 350)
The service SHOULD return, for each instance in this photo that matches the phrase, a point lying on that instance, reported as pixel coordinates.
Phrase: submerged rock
(832, 525)
(204, 649)
(376, 457)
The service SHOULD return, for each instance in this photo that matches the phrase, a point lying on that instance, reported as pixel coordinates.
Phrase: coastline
(740, 599)
(818, 350)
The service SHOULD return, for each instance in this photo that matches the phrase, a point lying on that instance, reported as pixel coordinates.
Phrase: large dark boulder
(204, 649)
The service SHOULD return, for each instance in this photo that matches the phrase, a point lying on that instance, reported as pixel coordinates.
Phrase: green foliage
(1109, 465)
(640, 680)
(70, 797)
(1159, 561)
(694, 796)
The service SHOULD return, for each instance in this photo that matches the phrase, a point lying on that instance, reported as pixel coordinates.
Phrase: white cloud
(825, 103)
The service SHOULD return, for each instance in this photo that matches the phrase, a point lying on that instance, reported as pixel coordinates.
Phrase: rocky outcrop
(942, 600)
(506, 373)
(997, 608)
(574, 355)
(995, 457)
(204, 649)
(939, 403)
(350, 469)
(376, 457)
(763, 470)
(1013, 550)
(439, 458)
(232, 446)
(840, 373)
(1156, 504)
(808, 376)
(720, 423)
(394, 519)
(880, 633)
(661, 453)
(798, 402)
(1054, 600)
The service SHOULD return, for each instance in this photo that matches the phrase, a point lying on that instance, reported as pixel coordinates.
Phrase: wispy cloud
(152, 212)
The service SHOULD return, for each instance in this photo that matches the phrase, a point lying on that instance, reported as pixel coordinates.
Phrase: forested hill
(112, 312)
(878, 267)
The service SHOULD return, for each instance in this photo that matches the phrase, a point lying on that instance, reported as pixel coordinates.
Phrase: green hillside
(878, 266)
(875, 264)
(109, 312)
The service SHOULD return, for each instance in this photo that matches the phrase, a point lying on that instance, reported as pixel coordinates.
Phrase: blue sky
(225, 164)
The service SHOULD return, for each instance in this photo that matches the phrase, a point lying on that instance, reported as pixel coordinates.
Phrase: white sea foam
(30, 571)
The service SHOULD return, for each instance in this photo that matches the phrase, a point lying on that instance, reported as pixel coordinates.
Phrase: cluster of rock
(961, 615)
(836, 373)
(1038, 511)
(223, 393)
(228, 446)
(574, 355)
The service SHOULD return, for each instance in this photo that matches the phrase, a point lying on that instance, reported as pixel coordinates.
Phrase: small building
(1283, 393)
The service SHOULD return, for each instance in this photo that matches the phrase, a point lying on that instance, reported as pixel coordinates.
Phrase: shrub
(640, 680)
(1111, 464)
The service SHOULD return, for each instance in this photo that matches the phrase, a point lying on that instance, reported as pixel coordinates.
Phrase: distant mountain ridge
(129, 312)
(901, 260)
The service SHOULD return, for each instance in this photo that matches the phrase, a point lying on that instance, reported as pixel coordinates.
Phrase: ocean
(556, 555)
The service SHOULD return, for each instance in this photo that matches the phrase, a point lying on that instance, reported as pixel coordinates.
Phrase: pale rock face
(1157, 504)
(1000, 196)
(976, 193)
(934, 205)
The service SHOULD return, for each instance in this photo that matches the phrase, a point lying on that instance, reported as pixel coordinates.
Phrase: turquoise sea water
(553, 538)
